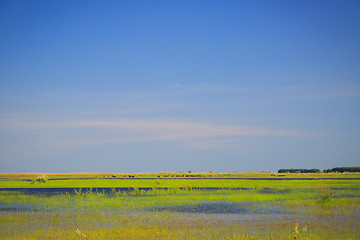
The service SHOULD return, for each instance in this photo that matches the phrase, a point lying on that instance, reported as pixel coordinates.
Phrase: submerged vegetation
(182, 209)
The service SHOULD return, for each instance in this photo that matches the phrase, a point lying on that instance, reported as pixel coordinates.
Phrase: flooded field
(174, 209)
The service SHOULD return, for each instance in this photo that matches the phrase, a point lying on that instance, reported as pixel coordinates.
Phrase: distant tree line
(342, 169)
(315, 170)
(298, 170)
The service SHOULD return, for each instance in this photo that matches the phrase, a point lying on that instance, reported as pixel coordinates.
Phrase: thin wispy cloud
(193, 128)
(188, 117)
(133, 130)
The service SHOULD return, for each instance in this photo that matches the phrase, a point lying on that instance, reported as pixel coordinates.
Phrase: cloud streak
(132, 130)
(193, 129)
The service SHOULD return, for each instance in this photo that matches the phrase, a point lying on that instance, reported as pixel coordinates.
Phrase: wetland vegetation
(164, 206)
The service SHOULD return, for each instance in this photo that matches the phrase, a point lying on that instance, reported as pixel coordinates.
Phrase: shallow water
(4, 207)
(222, 207)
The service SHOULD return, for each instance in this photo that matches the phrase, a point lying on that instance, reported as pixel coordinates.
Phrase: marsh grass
(162, 175)
(230, 180)
(137, 199)
(273, 210)
(101, 224)
(40, 179)
(326, 194)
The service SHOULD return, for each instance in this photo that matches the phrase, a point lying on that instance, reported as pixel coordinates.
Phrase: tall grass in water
(170, 225)
(153, 215)
(326, 194)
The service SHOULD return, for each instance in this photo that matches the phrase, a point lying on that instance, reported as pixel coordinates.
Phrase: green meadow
(197, 206)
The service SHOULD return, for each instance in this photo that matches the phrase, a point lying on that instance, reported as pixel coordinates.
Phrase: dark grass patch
(274, 191)
(18, 208)
(221, 207)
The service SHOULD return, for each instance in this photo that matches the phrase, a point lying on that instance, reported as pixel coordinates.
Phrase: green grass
(174, 183)
(120, 224)
(310, 209)
(29, 176)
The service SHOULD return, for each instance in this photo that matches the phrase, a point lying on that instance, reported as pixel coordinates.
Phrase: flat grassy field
(181, 206)
(171, 180)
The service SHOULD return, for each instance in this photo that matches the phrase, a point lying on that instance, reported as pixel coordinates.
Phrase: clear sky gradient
(148, 86)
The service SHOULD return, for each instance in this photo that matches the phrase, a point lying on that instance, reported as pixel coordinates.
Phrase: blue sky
(148, 86)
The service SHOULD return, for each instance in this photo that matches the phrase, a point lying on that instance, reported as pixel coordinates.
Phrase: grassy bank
(183, 174)
(170, 180)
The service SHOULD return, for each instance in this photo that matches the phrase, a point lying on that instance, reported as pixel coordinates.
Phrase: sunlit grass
(171, 225)
(178, 183)
(286, 209)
